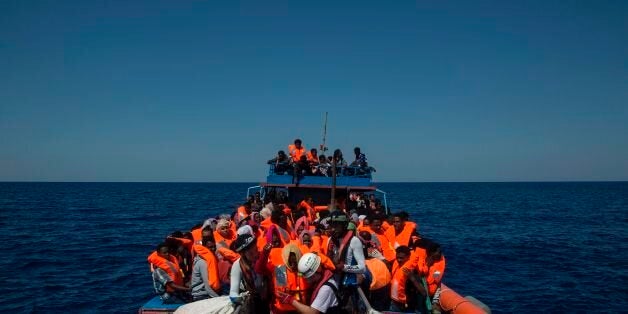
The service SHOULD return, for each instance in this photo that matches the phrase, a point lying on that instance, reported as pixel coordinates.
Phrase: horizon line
(215, 182)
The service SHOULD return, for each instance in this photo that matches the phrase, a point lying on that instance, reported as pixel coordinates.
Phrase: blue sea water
(518, 247)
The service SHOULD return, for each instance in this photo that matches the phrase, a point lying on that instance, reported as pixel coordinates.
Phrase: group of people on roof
(301, 162)
(303, 258)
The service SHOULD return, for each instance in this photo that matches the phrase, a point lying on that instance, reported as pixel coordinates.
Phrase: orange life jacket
(222, 241)
(285, 280)
(433, 274)
(403, 238)
(398, 282)
(384, 242)
(212, 265)
(310, 213)
(241, 214)
(295, 152)
(380, 272)
(311, 157)
(197, 235)
(170, 266)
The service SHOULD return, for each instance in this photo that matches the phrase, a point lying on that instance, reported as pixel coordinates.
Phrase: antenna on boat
(323, 147)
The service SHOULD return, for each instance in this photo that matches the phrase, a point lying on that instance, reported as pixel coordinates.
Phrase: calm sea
(518, 247)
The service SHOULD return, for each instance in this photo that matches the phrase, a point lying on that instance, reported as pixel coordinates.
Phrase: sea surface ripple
(518, 247)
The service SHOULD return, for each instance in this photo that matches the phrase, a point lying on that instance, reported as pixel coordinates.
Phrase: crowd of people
(271, 256)
(301, 162)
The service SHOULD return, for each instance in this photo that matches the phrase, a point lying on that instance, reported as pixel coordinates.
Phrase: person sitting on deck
(341, 164)
(322, 169)
(282, 163)
(312, 157)
(167, 277)
(205, 282)
(296, 150)
(302, 167)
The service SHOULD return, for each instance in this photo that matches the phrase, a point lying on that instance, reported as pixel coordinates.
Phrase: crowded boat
(299, 246)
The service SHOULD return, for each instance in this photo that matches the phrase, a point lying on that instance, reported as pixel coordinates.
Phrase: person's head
(403, 254)
(314, 152)
(306, 239)
(291, 255)
(223, 227)
(376, 221)
(434, 252)
(278, 217)
(310, 266)
(207, 232)
(297, 143)
(281, 154)
(372, 197)
(338, 154)
(276, 238)
(209, 242)
(356, 151)
(329, 159)
(244, 245)
(398, 222)
(338, 223)
(322, 158)
(162, 250)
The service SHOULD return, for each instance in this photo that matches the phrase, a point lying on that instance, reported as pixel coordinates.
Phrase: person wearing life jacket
(167, 276)
(326, 294)
(296, 150)
(224, 233)
(401, 272)
(346, 251)
(205, 282)
(285, 276)
(378, 291)
(242, 212)
(312, 157)
(432, 270)
(307, 206)
(384, 237)
(280, 220)
(243, 274)
(404, 230)
(305, 242)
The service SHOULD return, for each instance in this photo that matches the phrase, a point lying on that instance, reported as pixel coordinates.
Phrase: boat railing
(347, 171)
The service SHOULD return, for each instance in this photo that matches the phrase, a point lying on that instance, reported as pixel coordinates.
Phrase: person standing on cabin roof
(167, 276)
(296, 150)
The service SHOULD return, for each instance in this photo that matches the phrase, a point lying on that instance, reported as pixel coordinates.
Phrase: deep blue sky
(209, 90)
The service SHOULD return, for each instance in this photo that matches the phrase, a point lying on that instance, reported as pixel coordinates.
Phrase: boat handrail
(348, 171)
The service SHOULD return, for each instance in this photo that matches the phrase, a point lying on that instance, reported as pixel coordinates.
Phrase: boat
(327, 191)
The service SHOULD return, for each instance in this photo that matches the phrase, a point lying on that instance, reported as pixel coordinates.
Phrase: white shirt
(325, 298)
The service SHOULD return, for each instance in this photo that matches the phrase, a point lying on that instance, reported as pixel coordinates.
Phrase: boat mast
(332, 205)
(323, 147)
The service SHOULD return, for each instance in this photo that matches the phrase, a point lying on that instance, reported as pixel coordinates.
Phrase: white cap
(308, 264)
